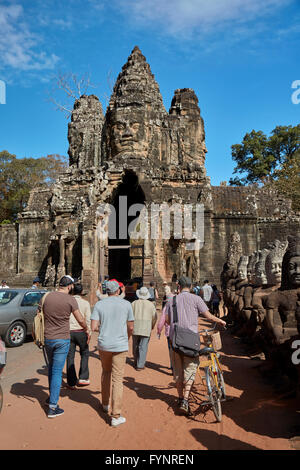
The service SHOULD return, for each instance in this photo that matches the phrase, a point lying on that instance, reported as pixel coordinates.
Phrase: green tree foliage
(19, 175)
(270, 160)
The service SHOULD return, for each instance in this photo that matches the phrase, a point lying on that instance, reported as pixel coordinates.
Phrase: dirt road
(254, 418)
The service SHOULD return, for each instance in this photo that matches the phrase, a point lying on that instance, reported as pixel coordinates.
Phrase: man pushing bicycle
(187, 308)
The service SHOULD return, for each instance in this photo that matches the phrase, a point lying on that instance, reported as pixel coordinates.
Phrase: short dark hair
(66, 281)
(206, 282)
(184, 281)
(77, 289)
(151, 283)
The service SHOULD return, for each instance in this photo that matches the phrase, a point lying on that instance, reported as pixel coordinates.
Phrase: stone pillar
(61, 270)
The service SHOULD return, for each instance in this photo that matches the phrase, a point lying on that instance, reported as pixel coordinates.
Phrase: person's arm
(154, 317)
(167, 314)
(95, 324)
(129, 328)
(88, 320)
(161, 322)
(202, 310)
(209, 316)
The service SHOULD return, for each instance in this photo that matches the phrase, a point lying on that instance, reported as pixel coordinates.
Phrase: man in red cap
(122, 288)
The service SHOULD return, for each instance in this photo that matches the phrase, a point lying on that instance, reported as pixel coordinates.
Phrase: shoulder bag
(184, 341)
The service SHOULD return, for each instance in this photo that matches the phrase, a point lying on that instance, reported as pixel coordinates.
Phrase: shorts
(184, 367)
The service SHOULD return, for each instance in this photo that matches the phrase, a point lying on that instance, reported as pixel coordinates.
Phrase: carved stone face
(274, 269)
(274, 262)
(294, 271)
(128, 133)
(260, 267)
(242, 268)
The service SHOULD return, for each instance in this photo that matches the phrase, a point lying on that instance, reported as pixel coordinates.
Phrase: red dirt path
(254, 418)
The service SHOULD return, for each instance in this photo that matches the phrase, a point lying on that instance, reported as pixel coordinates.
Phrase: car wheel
(16, 334)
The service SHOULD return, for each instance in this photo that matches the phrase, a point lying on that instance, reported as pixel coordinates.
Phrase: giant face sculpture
(128, 133)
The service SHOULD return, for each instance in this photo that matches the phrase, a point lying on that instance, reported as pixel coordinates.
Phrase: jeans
(78, 338)
(140, 349)
(113, 365)
(57, 351)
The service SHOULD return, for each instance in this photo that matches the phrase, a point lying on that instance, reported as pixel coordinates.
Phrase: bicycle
(213, 374)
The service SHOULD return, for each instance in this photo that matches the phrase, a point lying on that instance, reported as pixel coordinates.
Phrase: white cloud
(20, 47)
(188, 16)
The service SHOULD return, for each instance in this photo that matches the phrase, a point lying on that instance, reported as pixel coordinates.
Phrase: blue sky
(240, 56)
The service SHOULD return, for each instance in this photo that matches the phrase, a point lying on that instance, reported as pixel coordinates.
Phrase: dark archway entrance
(128, 193)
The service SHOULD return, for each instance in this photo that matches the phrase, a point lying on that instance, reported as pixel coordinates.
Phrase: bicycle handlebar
(207, 330)
(210, 329)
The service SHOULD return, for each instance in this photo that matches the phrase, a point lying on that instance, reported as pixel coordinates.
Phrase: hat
(120, 283)
(143, 293)
(36, 279)
(112, 286)
(66, 281)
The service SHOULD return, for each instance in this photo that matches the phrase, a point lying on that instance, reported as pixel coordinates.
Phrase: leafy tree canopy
(19, 175)
(273, 160)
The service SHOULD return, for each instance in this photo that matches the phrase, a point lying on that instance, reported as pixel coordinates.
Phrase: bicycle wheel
(1, 398)
(221, 383)
(213, 394)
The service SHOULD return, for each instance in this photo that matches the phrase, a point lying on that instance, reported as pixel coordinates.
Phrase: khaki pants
(184, 371)
(113, 365)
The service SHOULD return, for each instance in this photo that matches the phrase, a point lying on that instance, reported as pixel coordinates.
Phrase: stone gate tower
(140, 151)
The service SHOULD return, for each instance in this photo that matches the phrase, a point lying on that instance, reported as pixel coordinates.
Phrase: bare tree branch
(70, 85)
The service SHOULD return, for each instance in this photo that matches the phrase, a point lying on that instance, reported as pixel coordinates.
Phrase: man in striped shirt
(189, 307)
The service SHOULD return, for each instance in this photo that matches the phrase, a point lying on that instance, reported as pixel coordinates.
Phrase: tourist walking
(205, 293)
(215, 301)
(57, 308)
(80, 338)
(163, 324)
(153, 293)
(196, 288)
(189, 307)
(167, 292)
(144, 321)
(113, 318)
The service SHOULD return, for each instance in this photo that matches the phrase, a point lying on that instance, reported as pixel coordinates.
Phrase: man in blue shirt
(113, 318)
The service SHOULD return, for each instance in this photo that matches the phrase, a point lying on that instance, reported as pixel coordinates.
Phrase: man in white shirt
(113, 318)
(206, 292)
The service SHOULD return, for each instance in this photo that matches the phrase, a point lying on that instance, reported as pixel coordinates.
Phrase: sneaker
(83, 382)
(117, 421)
(184, 406)
(53, 413)
(105, 408)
